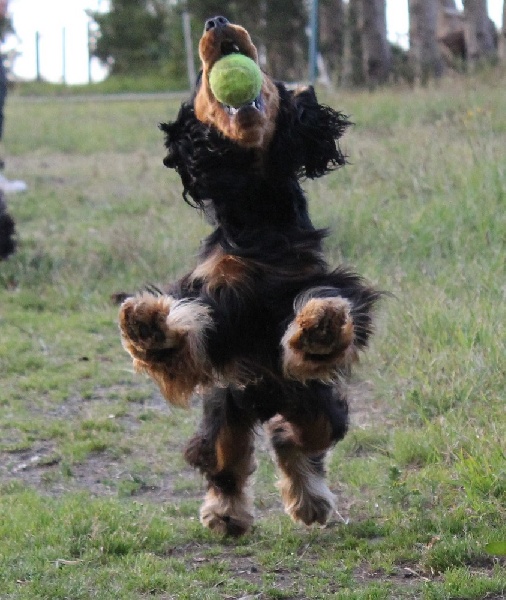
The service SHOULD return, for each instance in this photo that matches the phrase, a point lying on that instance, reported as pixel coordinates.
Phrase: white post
(190, 61)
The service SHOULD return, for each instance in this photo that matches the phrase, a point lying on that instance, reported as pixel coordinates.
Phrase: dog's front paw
(144, 324)
(166, 339)
(319, 340)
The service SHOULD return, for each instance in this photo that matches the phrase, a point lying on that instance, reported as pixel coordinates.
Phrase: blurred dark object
(7, 231)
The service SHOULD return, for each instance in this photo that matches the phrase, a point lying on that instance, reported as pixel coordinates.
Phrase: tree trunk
(502, 43)
(451, 34)
(481, 35)
(332, 21)
(285, 39)
(376, 55)
(353, 72)
(277, 29)
(424, 51)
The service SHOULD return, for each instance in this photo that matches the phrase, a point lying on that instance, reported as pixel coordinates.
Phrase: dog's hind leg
(302, 483)
(223, 451)
(300, 441)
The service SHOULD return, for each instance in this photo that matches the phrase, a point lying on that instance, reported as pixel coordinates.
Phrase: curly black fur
(247, 194)
(260, 213)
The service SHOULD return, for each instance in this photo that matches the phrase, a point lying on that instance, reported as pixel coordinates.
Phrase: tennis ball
(235, 80)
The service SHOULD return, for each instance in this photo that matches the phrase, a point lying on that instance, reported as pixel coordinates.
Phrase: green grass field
(95, 498)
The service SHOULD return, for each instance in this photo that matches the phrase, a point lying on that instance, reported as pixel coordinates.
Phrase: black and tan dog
(261, 327)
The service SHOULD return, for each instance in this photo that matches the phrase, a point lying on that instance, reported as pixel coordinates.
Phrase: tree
(285, 40)
(480, 32)
(5, 26)
(277, 28)
(248, 13)
(451, 33)
(502, 44)
(353, 70)
(367, 52)
(424, 51)
(132, 35)
(376, 54)
(332, 30)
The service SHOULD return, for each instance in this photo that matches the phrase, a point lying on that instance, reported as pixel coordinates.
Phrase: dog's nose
(215, 23)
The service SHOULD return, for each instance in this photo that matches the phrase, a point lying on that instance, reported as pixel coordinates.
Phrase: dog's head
(251, 125)
(223, 154)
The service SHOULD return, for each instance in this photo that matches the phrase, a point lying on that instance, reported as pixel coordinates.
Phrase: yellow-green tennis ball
(235, 80)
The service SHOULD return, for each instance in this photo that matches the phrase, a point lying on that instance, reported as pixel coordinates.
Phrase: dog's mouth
(227, 47)
(256, 105)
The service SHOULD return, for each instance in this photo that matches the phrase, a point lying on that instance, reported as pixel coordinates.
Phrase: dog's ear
(177, 140)
(180, 143)
(319, 128)
(178, 134)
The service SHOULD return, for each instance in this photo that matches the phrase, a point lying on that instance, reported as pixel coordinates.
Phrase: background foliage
(147, 36)
(133, 36)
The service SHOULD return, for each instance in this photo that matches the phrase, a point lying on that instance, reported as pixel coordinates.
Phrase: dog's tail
(7, 231)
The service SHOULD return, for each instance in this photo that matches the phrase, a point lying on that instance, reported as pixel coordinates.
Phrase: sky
(64, 23)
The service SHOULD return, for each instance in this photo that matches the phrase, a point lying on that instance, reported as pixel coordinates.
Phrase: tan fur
(227, 515)
(304, 492)
(220, 269)
(234, 452)
(251, 129)
(312, 436)
(319, 341)
(230, 512)
(226, 457)
(151, 324)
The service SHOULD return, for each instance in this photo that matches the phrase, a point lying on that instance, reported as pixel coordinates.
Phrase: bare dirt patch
(140, 468)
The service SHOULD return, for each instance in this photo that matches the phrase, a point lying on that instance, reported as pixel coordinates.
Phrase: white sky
(50, 17)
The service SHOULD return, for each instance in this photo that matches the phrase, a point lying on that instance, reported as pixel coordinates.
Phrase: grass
(96, 500)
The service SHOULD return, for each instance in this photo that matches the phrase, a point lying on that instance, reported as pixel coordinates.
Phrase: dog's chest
(221, 270)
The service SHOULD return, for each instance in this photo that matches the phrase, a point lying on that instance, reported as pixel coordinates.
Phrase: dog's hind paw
(305, 494)
(319, 340)
(227, 515)
(311, 509)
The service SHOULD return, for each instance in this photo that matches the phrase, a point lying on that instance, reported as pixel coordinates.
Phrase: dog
(262, 327)
(7, 231)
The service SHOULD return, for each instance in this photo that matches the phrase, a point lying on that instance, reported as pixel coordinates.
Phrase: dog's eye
(229, 47)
